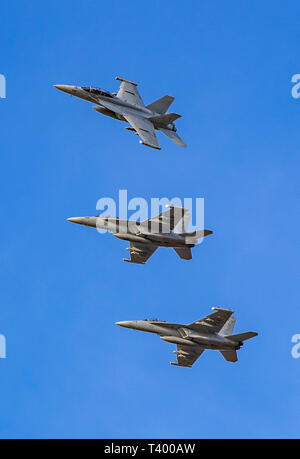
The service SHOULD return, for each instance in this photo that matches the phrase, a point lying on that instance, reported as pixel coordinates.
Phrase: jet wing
(187, 356)
(214, 322)
(140, 253)
(141, 125)
(166, 221)
(128, 92)
(144, 128)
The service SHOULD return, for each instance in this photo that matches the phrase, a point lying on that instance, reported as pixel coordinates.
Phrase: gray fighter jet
(165, 230)
(212, 332)
(127, 105)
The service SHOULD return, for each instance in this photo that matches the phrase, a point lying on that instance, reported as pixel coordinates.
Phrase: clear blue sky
(70, 372)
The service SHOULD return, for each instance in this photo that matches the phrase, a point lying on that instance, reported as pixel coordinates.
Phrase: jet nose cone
(77, 220)
(126, 324)
(65, 88)
(86, 221)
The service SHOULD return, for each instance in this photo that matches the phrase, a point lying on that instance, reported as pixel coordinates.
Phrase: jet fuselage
(86, 94)
(97, 96)
(182, 334)
(134, 231)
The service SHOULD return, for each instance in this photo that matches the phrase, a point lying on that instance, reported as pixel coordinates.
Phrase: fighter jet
(127, 105)
(165, 230)
(212, 332)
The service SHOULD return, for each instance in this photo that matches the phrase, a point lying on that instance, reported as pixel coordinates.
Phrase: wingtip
(149, 145)
(126, 81)
(134, 262)
(176, 364)
(215, 308)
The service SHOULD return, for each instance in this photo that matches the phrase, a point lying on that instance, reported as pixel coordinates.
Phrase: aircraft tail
(198, 234)
(165, 119)
(230, 355)
(242, 336)
(184, 252)
(228, 327)
(161, 105)
(173, 136)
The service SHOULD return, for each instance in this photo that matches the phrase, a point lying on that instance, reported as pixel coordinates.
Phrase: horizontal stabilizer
(161, 105)
(184, 252)
(198, 234)
(230, 356)
(173, 136)
(164, 120)
(242, 336)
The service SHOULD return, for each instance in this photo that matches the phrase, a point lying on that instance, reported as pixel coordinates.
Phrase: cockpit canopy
(96, 91)
(106, 217)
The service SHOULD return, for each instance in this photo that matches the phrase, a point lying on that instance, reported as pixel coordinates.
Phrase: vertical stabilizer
(161, 105)
(228, 327)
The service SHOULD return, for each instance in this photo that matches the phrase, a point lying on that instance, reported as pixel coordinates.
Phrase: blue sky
(70, 372)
